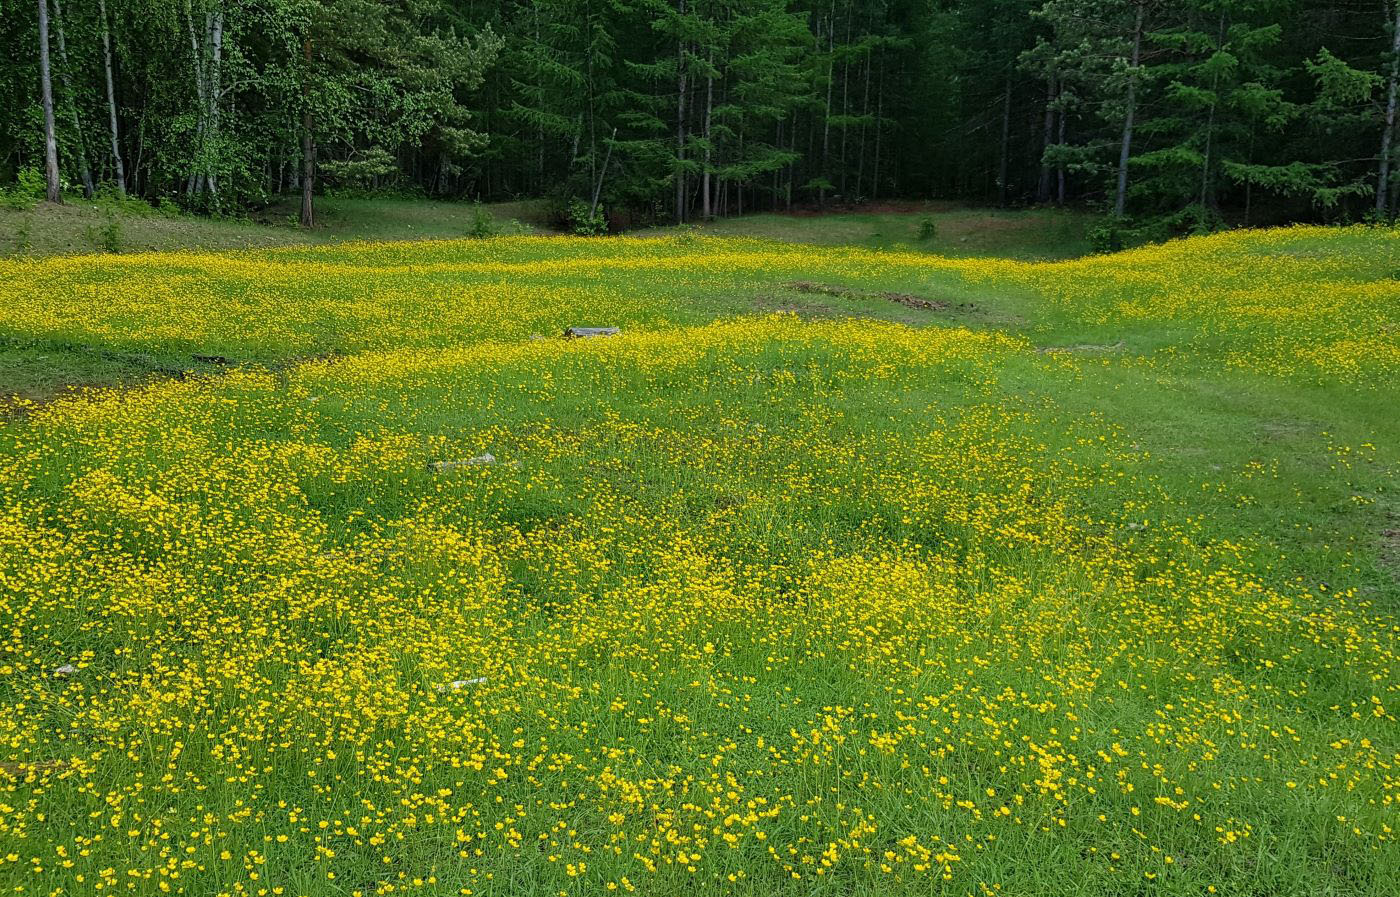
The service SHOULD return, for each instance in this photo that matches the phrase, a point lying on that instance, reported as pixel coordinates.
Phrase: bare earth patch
(906, 299)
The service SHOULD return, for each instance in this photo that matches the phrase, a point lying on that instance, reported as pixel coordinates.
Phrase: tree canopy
(1188, 114)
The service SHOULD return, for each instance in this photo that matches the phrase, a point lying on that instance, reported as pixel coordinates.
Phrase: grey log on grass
(479, 461)
(584, 332)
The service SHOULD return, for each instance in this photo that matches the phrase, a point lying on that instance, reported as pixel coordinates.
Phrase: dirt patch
(906, 299)
(802, 309)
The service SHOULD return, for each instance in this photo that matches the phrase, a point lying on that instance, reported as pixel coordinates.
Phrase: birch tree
(53, 191)
(1392, 97)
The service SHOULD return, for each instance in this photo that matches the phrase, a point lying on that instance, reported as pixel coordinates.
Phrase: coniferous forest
(1175, 115)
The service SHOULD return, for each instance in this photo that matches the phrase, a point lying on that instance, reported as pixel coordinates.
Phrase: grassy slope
(923, 601)
(77, 227)
(44, 368)
(959, 231)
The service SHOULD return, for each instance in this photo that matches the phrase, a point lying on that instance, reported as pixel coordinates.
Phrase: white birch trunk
(111, 99)
(52, 193)
(1388, 133)
(1125, 146)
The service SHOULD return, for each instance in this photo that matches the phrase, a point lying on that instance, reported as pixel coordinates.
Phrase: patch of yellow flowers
(750, 606)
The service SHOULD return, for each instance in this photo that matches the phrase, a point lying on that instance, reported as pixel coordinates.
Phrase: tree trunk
(216, 53)
(1207, 184)
(308, 145)
(707, 205)
(826, 117)
(602, 172)
(1388, 133)
(845, 107)
(1042, 193)
(864, 114)
(52, 191)
(1060, 169)
(308, 169)
(111, 99)
(84, 171)
(879, 128)
(680, 121)
(195, 181)
(1125, 147)
(1003, 163)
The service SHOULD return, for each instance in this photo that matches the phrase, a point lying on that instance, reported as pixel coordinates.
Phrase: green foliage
(928, 229)
(1110, 235)
(108, 235)
(963, 572)
(26, 191)
(483, 223)
(24, 234)
(363, 170)
(587, 222)
(1339, 85)
(670, 111)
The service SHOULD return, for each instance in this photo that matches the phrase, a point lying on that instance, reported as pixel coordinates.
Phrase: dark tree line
(1188, 113)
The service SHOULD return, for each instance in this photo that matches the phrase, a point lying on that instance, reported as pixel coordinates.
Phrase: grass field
(85, 227)
(959, 231)
(839, 571)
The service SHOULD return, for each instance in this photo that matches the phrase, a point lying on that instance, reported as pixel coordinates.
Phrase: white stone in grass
(485, 460)
(66, 670)
(461, 683)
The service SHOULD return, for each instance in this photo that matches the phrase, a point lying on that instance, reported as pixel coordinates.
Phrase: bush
(483, 223)
(109, 200)
(927, 228)
(108, 237)
(1109, 235)
(28, 189)
(24, 234)
(584, 224)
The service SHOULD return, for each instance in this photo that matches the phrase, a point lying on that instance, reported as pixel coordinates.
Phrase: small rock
(461, 683)
(65, 671)
(479, 461)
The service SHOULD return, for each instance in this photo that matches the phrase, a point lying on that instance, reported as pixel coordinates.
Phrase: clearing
(963, 575)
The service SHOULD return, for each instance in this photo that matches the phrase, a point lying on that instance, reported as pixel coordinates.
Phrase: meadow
(838, 571)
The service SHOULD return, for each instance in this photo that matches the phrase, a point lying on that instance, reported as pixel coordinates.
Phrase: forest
(1168, 117)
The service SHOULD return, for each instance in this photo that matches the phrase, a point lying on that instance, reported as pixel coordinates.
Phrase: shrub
(109, 236)
(927, 228)
(109, 200)
(1108, 235)
(483, 223)
(586, 224)
(24, 234)
(27, 190)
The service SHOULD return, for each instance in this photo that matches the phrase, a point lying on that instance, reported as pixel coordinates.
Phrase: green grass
(1078, 583)
(78, 226)
(959, 231)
